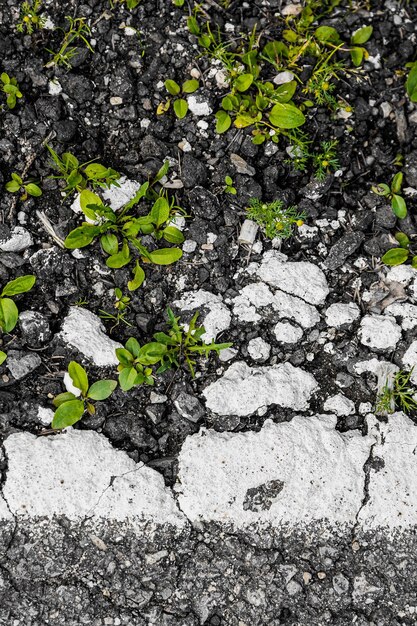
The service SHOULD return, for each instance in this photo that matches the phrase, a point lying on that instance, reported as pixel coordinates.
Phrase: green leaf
(397, 182)
(223, 122)
(3, 357)
(396, 256)
(399, 207)
(120, 259)
(192, 25)
(63, 397)
(102, 389)
(165, 256)
(12, 186)
(81, 236)
(357, 56)
(173, 235)
(68, 414)
(286, 116)
(402, 239)
(89, 197)
(362, 35)
(8, 314)
(190, 86)
(243, 120)
(138, 278)
(5, 79)
(109, 243)
(19, 285)
(124, 357)
(381, 189)
(33, 190)
(151, 353)
(411, 83)
(172, 87)
(69, 161)
(285, 92)
(327, 33)
(128, 378)
(413, 96)
(243, 82)
(160, 211)
(180, 108)
(78, 376)
(133, 346)
(74, 180)
(414, 262)
(95, 171)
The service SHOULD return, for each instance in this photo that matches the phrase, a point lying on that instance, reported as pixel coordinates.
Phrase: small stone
(241, 165)
(20, 364)
(259, 349)
(341, 314)
(321, 575)
(293, 587)
(198, 107)
(189, 246)
(340, 584)
(283, 77)
(379, 332)
(287, 333)
(35, 328)
(189, 407)
(116, 100)
(16, 240)
(342, 249)
(340, 405)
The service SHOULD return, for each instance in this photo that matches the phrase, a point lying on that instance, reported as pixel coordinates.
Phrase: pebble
(259, 349)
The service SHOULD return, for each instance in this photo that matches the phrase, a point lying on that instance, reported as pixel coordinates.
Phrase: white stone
(189, 246)
(198, 108)
(54, 87)
(405, 310)
(45, 415)
(227, 354)
(301, 279)
(242, 390)
(218, 318)
(287, 333)
(341, 314)
(79, 474)
(410, 361)
(340, 405)
(393, 487)
(283, 77)
(85, 331)
(116, 100)
(401, 274)
(116, 197)
(20, 239)
(259, 349)
(379, 332)
(320, 469)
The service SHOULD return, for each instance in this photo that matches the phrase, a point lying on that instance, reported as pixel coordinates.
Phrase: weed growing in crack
(401, 254)
(392, 193)
(274, 218)
(9, 313)
(180, 105)
(121, 304)
(30, 19)
(229, 186)
(401, 395)
(77, 33)
(179, 345)
(10, 87)
(130, 4)
(120, 232)
(27, 188)
(78, 176)
(70, 408)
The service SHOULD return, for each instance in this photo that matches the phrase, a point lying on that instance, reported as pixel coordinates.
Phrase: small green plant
(180, 105)
(79, 176)
(325, 161)
(70, 408)
(121, 304)
(401, 254)
(400, 395)
(275, 219)
(358, 39)
(3, 357)
(29, 19)
(77, 33)
(27, 188)
(120, 232)
(229, 187)
(130, 4)
(392, 193)
(10, 87)
(411, 82)
(9, 313)
(178, 3)
(169, 350)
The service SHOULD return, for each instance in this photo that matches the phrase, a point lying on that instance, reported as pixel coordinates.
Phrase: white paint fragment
(197, 107)
(259, 349)
(287, 333)
(45, 415)
(19, 239)
(379, 332)
(242, 390)
(410, 361)
(69, 385)
(340, 405)
(218, 318)
(79, 474)
(392, 486)
(404, 310)
(341, 314)
(302, 279)
(85, 331)
(316, 472)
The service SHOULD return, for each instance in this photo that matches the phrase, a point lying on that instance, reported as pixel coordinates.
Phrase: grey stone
(204, 203)
(35, 328)
(189, 407)
(20, 364)
(193, 172)
(342, 249)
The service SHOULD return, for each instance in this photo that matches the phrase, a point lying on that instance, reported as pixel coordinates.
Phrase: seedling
(70, 408)
(9, 313)
(169, 350)
(79, 176)
(392, 193)
(3, 357)
(130, 4)
(27, 188)
(180, 105)
(29, 19)
(178, 3)
(10, 87)
(121, 304)
(401, 394)
(229, 188)
(411, 83)
(77, 32)
(120, 232)
(325, 161)
(274, 219)
(401, 254)
(360, 37)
